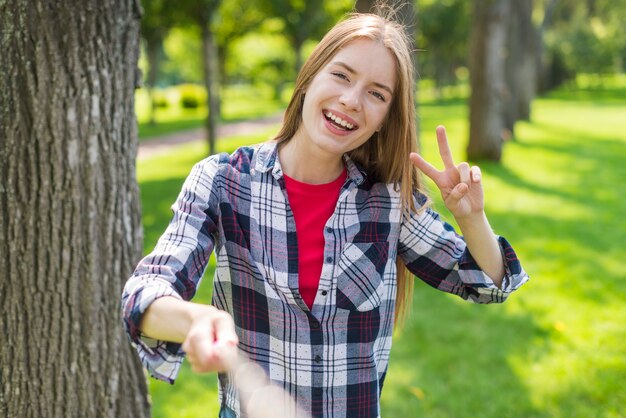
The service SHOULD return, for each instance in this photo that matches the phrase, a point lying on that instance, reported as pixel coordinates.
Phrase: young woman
(313, 232)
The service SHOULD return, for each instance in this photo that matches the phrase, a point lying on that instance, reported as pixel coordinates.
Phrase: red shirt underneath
(312, 205)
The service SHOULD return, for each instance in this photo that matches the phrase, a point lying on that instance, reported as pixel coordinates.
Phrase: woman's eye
(340, 75)
(378, 95)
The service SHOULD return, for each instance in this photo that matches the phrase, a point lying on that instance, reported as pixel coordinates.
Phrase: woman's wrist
(472, 221)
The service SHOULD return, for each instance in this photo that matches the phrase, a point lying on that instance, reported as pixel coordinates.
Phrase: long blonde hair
(385, 156)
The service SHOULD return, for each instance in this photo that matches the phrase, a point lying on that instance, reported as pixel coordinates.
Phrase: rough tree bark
(487, 79)
(70, 227)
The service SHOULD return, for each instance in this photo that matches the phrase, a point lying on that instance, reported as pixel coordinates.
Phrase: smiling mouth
(338, 122)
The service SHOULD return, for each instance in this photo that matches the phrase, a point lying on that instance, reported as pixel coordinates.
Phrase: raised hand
(460, 185)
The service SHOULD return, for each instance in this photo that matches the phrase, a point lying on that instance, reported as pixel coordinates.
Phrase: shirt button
(318, 359)
(324, 293)
(329, 259)
(329, 230)
(315, 324)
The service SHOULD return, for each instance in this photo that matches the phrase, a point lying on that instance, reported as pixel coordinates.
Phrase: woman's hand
(211, 341)
(460, 185)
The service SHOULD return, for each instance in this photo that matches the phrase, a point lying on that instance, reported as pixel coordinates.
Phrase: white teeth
(338, 120)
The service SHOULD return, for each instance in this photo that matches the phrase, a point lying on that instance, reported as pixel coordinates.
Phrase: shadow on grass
(451, 360)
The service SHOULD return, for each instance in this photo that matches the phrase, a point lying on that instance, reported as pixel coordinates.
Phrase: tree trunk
(70, 226)
(297, 49)
(211, 82)
(153, 51)
(487, 79)
(520, 64)
(543, 67)
(364, 6)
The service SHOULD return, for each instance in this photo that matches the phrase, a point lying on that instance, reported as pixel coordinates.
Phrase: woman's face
(348, 100)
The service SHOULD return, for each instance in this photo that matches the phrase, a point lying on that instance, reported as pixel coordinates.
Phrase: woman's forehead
(367, 57)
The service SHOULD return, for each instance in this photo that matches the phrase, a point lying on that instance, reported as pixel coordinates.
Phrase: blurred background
(549, 74)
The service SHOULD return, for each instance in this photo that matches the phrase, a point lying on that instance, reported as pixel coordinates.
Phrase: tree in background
(262, 58)
(202, 13)
(305, 20)
(444, 29)
(584, 37)
(155, 24)
(70, 221)
(520, 65)
(235, 19)
(487, 78)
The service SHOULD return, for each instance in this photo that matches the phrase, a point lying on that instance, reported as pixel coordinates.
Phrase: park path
(164, 143)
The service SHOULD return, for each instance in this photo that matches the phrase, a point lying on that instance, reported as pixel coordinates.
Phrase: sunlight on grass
(239, 102)
(556, 348)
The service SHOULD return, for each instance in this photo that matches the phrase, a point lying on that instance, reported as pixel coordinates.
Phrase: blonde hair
(385, 156)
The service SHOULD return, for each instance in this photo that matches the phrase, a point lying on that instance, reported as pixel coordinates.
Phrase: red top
(312, 205)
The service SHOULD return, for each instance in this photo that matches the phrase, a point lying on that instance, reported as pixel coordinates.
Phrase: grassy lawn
(557, 348)
(238, 103)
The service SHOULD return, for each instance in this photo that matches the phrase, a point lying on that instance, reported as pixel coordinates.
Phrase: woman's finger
(224, 329)
(464, 173)
(444, 147)
(455, 195)
(475, 173)
(424, 166)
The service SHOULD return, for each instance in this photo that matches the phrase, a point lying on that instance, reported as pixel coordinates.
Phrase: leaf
(418, 392)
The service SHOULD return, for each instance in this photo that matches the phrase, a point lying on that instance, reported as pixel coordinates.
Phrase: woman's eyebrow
(355, 72)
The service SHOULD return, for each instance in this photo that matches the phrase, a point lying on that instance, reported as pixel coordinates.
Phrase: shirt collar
(267, 159)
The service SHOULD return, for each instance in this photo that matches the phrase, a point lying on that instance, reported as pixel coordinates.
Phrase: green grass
(238, 103)
(557, 348)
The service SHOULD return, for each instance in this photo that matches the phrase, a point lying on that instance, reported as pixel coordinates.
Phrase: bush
(191, 96)
(159, 100)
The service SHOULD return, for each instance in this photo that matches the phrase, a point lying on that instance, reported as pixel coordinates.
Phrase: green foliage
(261, 58)
(305, 20)
(589, 36)
(444, 30)
(159, 99)
(192, 96)
(556, 348)
(183, 50)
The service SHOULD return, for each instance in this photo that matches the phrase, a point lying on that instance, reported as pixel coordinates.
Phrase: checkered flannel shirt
(332, 358)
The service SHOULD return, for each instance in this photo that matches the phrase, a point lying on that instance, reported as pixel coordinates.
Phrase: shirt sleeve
(175, 266)
(434, 252)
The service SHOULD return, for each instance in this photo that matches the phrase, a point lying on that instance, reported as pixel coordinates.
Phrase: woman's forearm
(483, 245)
(169, 318)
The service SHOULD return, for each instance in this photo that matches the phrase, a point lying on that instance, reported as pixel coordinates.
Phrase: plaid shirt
(332, 358)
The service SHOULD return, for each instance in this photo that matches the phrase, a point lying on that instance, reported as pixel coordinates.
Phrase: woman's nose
(351, 99)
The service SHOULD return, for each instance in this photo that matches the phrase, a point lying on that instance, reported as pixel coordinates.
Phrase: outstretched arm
(462, 192)
(204, 331)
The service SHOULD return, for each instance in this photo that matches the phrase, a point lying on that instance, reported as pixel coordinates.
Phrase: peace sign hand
(460, 185)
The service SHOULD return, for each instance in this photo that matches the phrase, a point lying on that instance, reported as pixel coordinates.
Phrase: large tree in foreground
(70, 227)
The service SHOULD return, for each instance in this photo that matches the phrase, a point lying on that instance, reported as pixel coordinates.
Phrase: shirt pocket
(360, 281)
